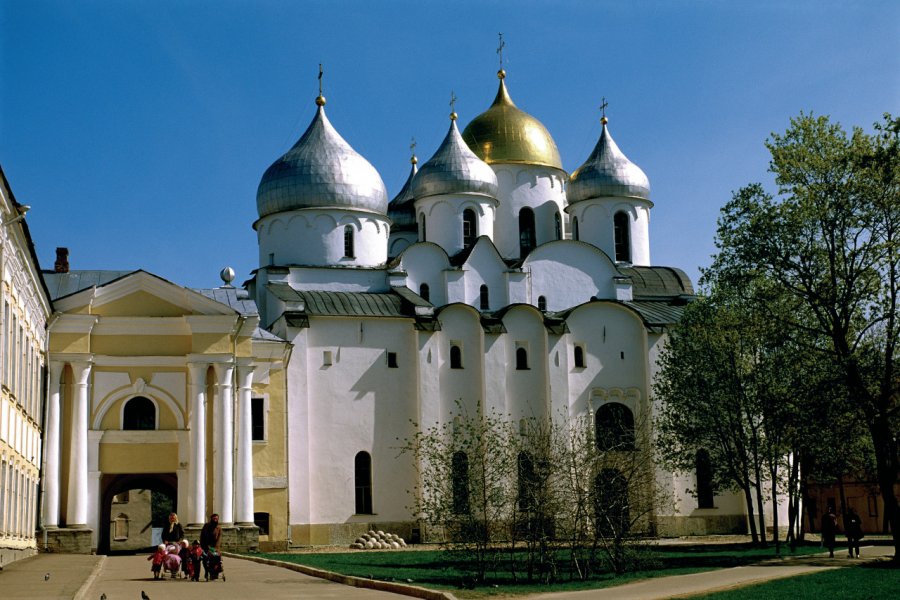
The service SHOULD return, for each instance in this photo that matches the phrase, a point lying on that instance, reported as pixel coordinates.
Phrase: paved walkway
(68, 576)
(685, 586)
(125, 577)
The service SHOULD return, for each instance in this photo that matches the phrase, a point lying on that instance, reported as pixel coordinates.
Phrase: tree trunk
(887, 469)
(751, 519)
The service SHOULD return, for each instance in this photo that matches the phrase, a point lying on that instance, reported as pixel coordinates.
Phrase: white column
(243, 478)
(224, 444)
(78, 463)
(51, 450)
(197, 473)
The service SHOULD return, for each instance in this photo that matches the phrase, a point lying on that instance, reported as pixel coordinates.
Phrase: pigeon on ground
(103, 596)
(46, 576)
(144, 595)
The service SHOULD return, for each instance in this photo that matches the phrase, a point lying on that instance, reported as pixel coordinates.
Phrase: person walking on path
(211, 534)
(174, 533)
(853, 527)
(829, 530)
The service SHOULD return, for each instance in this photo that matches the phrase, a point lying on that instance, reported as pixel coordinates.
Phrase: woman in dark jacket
(174, 533)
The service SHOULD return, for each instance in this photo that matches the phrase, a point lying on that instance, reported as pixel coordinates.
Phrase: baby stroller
(213, 565)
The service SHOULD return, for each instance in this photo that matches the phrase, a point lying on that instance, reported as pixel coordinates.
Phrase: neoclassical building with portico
(156, 386)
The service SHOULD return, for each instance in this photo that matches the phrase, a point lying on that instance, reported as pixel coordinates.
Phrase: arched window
(459, 480)
(623, 243)
(348, 241)
(484, 298)
(611, 503)
(575, 228)
(139, 414)
(705, 490)
(527, 482)
(521, 359)
(422, 237)
(469, 230)
(425, 292)
(614, 427)
(455, 357)
(527, 240)
(557, 225)
(362, 475)
(579, 357)
(542, 303)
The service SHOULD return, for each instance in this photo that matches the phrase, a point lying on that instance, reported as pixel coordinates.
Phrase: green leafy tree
(715, 395)
(829, 240)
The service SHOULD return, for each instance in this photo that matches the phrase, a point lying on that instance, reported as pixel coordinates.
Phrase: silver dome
(607, 172)
(321, 171)
(454, 169)
(401, 210)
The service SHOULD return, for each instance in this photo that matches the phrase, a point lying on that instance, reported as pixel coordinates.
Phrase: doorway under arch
(116, 486)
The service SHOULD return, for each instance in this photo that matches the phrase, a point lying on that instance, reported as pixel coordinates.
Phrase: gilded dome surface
(401, 210)
(454, 169)
(607, 172)
(506, 134)
(321, 171)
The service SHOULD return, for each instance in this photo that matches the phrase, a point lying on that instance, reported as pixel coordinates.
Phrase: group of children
(184, 559)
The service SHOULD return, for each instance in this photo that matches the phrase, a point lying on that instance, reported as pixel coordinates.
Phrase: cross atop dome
(501, 73)
(320, 99)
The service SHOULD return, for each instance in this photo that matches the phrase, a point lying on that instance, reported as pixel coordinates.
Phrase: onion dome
(505, 134)
(607, 172)
(454, 169)
(321, 171)
(401, 210)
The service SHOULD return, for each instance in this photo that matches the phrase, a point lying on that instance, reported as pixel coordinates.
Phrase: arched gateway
(152, 389)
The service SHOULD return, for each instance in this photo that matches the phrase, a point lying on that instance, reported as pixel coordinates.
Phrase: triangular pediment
(141, 294)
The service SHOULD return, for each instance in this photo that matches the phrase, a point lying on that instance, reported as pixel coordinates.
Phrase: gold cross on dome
(412, 146)
(603, 105)
(453, 99)
(500, 48)
(320, 78)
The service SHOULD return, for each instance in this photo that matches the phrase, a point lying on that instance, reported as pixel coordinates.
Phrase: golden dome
(505, 134)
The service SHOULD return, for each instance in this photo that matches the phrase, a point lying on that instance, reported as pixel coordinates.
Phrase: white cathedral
(494, 280)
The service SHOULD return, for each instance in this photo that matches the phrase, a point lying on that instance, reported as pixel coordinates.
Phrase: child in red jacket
(157, 557)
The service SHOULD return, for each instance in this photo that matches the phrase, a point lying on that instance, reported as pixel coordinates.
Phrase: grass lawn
(875, 581)
(435, 569)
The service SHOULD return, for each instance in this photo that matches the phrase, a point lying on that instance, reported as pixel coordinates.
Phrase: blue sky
(138, 130)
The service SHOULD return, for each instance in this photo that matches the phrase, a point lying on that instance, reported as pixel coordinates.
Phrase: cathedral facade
(493, 281)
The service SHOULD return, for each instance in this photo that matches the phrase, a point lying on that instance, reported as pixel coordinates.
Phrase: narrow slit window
(527, 238)
(455, 357)
(469, 232)
(623, 243)
(521, 359)
(348, 241)
(579, 357)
